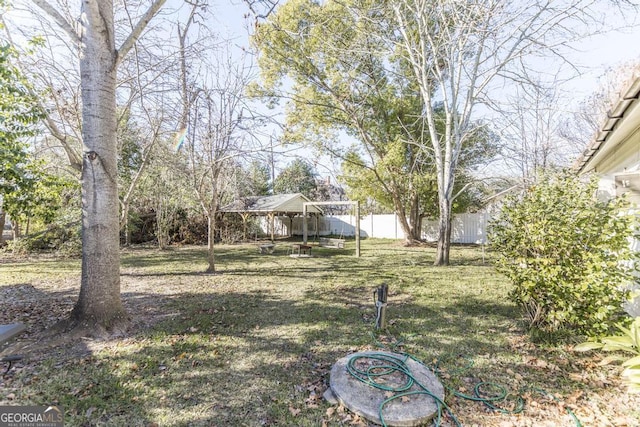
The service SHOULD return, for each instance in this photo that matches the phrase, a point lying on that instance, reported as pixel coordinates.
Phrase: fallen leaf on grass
(358, 421)
(346, 419)
(575, 396)
(294, 411)
(576, 376)
(622, 422)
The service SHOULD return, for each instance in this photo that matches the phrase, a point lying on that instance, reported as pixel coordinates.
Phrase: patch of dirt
(45, 307)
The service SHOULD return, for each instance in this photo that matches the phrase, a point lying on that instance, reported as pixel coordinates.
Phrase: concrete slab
(366, 400)
(9, 331)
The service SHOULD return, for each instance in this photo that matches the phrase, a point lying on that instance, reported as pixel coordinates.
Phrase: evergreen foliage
(298, 177)
(567, 254)
(18, 114)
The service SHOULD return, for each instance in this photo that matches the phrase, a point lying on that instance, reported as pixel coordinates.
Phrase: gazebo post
(304, 224)
(317, 225)
(272, 221)
(245, 219)
(290, 231)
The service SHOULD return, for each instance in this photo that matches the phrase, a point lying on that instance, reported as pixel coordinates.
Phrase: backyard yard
(253, 346)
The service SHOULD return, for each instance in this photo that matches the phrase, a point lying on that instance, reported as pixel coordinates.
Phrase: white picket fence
(467, 228)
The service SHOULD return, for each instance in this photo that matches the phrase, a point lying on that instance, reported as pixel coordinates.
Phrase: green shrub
(567, 254)
(65, 240)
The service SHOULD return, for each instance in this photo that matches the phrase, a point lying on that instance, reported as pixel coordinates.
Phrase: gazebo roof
(279, 204)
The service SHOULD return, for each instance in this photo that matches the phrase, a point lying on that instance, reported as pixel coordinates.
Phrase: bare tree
(457, 50)
(146, 94)
(99, 307)
(531, 123)
(218, 131)
(148, 86)
(580, 127)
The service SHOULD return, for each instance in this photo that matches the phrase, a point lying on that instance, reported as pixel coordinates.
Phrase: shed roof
(279, 203)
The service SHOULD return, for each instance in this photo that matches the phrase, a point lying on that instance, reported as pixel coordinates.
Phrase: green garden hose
(390, 364)
(490, 394)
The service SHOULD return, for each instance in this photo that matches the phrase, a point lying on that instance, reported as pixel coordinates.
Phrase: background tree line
(361, 104)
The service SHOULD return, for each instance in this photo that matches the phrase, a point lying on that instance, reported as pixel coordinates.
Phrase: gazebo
(289, 205)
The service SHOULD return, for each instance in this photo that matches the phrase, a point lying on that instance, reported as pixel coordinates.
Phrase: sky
(595, 54)
(604, 51)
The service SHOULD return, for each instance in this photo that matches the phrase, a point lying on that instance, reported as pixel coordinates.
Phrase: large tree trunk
(415, 219)
(407, 225)
(99, 307)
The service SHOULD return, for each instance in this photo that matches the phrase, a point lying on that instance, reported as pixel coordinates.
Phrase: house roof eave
(604, 139)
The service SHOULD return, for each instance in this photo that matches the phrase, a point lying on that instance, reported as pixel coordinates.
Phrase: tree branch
(137, 30)
(59, 19)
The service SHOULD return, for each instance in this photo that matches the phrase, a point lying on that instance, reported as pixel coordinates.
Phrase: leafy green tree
(18, 115)
(298, 177)
(337, 66)
(39, 197)
(344, 80)
(257, 179)
(415, 172)
(567, 254)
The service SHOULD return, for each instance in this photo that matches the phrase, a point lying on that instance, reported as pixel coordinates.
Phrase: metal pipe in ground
(380, 296)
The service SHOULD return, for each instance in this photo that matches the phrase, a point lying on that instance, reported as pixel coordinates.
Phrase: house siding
(615, 153)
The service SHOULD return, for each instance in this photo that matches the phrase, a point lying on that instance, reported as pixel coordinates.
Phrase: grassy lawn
(254, 345)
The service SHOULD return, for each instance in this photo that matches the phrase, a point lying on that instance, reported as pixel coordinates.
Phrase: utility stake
(380, 297)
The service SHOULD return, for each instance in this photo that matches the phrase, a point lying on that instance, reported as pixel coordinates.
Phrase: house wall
(623, 160)
(619, 165)
(607, 188)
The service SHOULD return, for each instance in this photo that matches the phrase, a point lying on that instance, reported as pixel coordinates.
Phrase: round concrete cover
(365, 400)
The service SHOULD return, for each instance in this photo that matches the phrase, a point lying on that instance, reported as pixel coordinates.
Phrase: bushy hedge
(567, 254)
(64, 240)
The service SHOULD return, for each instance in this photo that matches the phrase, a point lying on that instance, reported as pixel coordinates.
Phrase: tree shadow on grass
(55, 370)
(232, 354)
